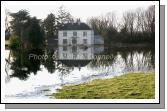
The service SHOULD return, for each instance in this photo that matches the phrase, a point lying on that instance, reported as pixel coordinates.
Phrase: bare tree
(135, 26)
(150, 18)
(63, 17)
(129, 21)
(7, 26)
(102, 23)
(139, 20)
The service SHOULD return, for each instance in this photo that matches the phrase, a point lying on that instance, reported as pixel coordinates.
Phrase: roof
(75, 63)
(75, 26)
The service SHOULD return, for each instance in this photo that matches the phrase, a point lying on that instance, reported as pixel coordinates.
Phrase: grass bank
(128, 86)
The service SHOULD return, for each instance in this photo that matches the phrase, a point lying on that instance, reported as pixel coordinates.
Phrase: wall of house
(79, 37)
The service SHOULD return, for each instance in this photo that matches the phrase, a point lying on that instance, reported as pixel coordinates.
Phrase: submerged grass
(127, 86)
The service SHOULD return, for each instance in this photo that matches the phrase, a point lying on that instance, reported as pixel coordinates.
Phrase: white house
(75, 34)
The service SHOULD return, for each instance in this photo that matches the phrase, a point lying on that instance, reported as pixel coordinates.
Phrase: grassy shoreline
(128, 86)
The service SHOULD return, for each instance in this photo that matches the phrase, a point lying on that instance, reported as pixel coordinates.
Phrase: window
(74, 33)
(84, 41)
(64, 41)
(84, 34)
(64, 34)
(74, 56)
(64, 55)
(74, 41)
(74, 49)
(85, 55)
(64, 48)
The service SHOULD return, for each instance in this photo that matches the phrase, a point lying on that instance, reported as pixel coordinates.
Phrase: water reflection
(75, 56)
(75, 53)
(132, 59)
(42, 70)
(21, 65)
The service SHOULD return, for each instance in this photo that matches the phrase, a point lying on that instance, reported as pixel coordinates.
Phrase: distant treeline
(25, 31)
(135, 26)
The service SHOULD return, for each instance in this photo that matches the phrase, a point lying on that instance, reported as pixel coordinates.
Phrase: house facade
(75, 34)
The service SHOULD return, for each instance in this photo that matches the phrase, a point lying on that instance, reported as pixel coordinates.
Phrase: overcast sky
(77, 11)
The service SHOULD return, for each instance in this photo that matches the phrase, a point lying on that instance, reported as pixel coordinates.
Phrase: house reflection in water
(75, 55)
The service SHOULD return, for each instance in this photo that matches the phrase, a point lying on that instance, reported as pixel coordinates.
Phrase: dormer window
(64, 34)
(74, 33)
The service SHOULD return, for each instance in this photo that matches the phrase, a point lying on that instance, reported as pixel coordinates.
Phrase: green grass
(128, 86)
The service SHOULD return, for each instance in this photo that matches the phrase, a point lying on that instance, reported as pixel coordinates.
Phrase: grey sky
(78, 11)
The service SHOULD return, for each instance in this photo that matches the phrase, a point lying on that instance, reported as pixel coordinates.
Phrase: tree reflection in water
(134, 59)
(22, 65)
(130, 59)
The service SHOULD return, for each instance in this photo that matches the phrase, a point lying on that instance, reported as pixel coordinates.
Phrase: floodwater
(34, 74)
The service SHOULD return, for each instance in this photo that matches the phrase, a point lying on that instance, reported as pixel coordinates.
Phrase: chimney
(78, 21)
(72, 21)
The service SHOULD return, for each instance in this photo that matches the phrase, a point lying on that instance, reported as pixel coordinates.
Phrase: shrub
(14, 42)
